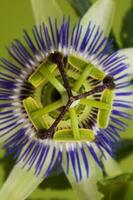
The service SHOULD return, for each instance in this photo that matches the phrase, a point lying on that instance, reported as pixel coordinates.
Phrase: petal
(101, 14)
(81, 160)
(81, 186)
(129, 60)
(30, 170)
(111, 167)
(43, 9)
(87, 189)
(20, 184)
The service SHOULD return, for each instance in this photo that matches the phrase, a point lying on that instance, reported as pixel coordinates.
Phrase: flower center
(71, 97)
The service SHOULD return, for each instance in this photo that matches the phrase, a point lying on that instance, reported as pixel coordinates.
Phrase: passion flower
(62, 98)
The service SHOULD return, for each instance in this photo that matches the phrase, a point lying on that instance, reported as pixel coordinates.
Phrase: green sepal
(37, 78)
(67, 135)
(31, 106)
(103, 115)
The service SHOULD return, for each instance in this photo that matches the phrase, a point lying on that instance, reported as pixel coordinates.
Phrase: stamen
(103, 114)
(74, 123)
(88, 70)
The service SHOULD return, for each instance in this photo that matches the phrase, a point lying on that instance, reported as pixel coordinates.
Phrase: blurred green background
(16, 15)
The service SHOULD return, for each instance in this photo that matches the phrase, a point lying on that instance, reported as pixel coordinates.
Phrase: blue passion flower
(63, 97)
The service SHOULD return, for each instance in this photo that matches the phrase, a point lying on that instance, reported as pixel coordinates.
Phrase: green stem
(74, 123)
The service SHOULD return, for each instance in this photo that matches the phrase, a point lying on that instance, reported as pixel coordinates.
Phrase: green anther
(67, 135)
(51, 78)
(97, 74)
(103, 115)
(37, 78)
(49, 108)
(31, 106)
(86, 72)
(74, 123)
(96, 104)
(77, 63)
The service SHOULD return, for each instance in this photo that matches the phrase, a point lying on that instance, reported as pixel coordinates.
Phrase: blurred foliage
(80, 6)
(126, 33)
(55, 9)
(119, 187)
(16, 15)
(125, 149)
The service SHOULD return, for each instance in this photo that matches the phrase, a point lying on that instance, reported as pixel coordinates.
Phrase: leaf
(60, 180)
(119, 187)
(80, 6)
(126, 34)
(124, 155)
(125, 149)
(52, 194)
(123, 23)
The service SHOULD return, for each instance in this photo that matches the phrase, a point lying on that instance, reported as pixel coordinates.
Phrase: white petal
(129, 60)
(128, 53)
(95, 173)
(20, 184)
(87, 189)
(112, 168)
(43, 9)
(23, 180)
(101, 14)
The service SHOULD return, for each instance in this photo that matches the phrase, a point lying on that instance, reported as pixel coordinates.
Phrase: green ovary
(50, 97)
